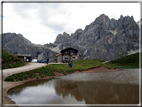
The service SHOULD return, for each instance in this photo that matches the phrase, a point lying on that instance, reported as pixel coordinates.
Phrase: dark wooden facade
(69, 52)
(67, 55)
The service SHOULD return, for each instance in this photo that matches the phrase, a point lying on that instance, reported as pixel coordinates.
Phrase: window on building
(66, 53)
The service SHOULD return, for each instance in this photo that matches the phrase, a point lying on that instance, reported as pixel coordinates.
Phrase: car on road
(41, 61)
(34, 60)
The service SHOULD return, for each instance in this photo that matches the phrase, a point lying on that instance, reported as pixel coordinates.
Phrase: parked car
(41, 61)
(34, 60)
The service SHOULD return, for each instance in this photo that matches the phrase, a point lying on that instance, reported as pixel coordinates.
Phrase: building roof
(69, 49)
(26, 55)
(59, 54)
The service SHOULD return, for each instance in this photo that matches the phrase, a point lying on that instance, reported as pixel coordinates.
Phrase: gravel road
(7, 72)
(27, 67)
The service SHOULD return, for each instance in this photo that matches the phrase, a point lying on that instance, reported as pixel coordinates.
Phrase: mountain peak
(65, 34)
(104, 38)
(62, 38)
(121, 16)
(102, 18)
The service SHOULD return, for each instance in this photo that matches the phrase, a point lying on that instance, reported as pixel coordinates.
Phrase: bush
(9, 78)
(41, 75)
(34, 75)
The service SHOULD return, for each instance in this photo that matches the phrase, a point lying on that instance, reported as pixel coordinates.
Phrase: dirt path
(30, 66)
(8, 85)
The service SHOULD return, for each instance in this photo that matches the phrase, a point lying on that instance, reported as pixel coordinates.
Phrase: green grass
(86, 64)
(49, 69)
(42, 72)
(77, 66)
(131, 61)
(10, 61)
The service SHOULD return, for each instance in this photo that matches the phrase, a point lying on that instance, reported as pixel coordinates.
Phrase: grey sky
(42, 22)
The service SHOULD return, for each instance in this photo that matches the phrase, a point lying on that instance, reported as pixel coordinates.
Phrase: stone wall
(66, 57)
(59, 58)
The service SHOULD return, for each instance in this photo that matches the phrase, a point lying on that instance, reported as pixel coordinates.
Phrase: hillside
(104, 38)
(130, 61)
(13, 42)
(10, 61)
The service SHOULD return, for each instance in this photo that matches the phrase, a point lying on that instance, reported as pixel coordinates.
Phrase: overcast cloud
(42, 22)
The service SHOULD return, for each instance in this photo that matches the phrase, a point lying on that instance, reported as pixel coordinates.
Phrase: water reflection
(79, 89)
(39, 93)
(18, 89)
(99, 92)
(71, 92)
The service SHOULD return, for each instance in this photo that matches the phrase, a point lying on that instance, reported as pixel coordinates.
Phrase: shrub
(34, 75)
(41, 75)
(9, 78)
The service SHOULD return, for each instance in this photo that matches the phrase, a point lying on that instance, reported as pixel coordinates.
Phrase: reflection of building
(26, 57)
(97, 92)
(68, 54)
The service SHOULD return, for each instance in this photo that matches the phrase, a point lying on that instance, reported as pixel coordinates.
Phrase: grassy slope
(131, 61)
(77, 66)
(128, 61)
(49, 69)
(10, 61)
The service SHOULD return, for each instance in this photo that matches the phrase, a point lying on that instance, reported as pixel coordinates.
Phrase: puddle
(80, 88)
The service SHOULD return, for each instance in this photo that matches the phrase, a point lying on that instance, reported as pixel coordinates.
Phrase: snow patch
(56, 49)
(113, 32)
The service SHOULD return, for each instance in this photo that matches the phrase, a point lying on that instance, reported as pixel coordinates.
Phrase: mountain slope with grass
(130, 61)
(10, 61)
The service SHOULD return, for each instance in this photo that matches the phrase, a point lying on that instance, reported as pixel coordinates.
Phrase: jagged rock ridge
(105, 38)
(13, 42)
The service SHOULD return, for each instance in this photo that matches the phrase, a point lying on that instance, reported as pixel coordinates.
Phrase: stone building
(26, 57)
(67, 55)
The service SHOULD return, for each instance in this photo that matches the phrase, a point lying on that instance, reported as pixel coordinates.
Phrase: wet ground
(114, 87)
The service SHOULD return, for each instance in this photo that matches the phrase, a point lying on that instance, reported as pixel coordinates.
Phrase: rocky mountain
(16, 43)
(62, 38)
(139, 22)
(50, 45)
(105, 38)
